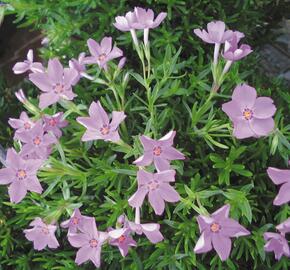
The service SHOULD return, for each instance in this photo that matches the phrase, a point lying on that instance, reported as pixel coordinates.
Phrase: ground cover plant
(128, 156)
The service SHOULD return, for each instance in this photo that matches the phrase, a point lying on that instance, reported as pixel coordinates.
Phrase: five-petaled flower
(42, 234)
(102, 53)
(277, 243)
(36, 141)
(80, 68)
(216, 231)
(158, 151)
(157, 186)
(280, 177)
(22, 125)
(53, 123)
(56, 83)
(76, 222)
(21, 175)
(98, 125)
(28, 64)
(123, 242)
(90, 241)
(252, 116)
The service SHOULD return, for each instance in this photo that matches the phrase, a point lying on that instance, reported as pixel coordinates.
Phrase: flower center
(152, 185)
(52, 122)
(37, 140)
(93, 243)
(102, 57)
(248, 114)
(121, 239)
(75, 221)
(215, 227)
(58, 88)
(105, 130)
(21, 174)
(27, 125)
(45, 230)
(157, 151)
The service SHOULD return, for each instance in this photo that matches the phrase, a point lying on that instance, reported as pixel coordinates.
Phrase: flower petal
(84, 254)
(55, 70)
(136, 200)
(117, 118)
(161, 164)
(232, 109)
(242, 129)
(168, 193)
(222, 245)
(16, 192)
(42, 81)
(47, 99)
(170, 153)
(144, 160)
(78, 240)
(262, 127)
(203, 244)
(156, 202)
(283, 195)
(7, 175)
(245, 96)
(165, 176)
(278, 176)
(264, 108)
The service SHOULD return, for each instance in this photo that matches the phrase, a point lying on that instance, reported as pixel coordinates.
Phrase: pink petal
(156, 202)
(88, 122)
(20, 67)
(203, 244)
(144, 177)
(161, 164)
(13, 159)
(222, 213)
(148, 143)
(166, 176)
(84, 254)
(47, 99)
(278, 176)
(144, 160)
(16, 192)
(37, 67)
(94, 47)
(171, 153)
(33, 184)
(55, 70)
(242, 129)
(30, 55)
(106, 45)
(98, 113)
(7, 175)
(153, 235)
(283, 195)
(52, 242)
(167, 140)
(245, 96)
(117, 118)
(161, 16)
(232, 228)
(112, 136)
(203, 35)
(232, 109)
(96, 256)
(168, 193)
(262, 127)
(78, 240)
(222, 245)
(70, 76)
(42, 81)
(90, 135)
(136, 200)
(264, 108)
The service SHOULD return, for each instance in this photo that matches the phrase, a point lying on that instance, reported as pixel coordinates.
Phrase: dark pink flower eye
(45, 230)
(215, 227)
(157, 151)
(21, 174)
(153, 185)
(93, 243)
(52, 122)
(102, 57)
(58, 88)
(37, 140)
(248, 114)
(105, 130)
(121, 239)
(27, 125)
(75, 221)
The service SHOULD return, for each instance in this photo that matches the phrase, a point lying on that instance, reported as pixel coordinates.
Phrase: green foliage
(99, 177)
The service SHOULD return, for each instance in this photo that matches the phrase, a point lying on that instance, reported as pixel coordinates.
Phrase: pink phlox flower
(21, 174)
(42, 234)
(28, 65)
(251, 116)
(157, 186)
(56, 83)
(216, 231)
(159, 151)
(98, 124)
